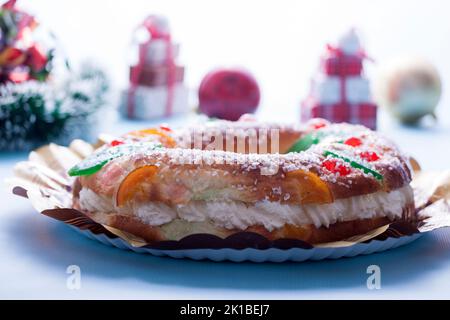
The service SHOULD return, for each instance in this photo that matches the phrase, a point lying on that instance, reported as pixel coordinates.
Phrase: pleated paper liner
(44, 181)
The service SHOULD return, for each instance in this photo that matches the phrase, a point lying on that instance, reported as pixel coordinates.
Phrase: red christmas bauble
(228, 94)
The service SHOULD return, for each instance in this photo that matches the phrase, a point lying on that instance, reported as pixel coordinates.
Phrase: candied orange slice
(310, 187)
(133, 183)
(165, 139)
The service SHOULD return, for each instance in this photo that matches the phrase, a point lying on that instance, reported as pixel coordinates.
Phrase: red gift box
(366, 110)
(342, 65)
(152, 76)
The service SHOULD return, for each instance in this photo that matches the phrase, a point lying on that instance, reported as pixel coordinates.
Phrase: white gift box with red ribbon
(147, 99)
(340, 93)
(151, 102)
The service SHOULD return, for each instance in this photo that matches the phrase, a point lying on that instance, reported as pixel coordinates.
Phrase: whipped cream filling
(271, 215)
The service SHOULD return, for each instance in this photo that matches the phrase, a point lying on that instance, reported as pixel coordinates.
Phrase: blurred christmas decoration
(409, 88)
(341, 92)
(156, 80)
(228, 94)
(21, 57)
(35, 107)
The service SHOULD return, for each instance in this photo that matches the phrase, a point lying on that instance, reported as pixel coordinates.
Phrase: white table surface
(35, 252)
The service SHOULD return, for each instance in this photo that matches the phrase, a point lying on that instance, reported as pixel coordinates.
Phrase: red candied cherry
(116, 143)
(336, 166)
(354, 142)
(369, 156)
(165, 127)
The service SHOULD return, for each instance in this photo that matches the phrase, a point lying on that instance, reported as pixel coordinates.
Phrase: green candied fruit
(98, 160)
(95, 162)
(355, 164)
(306, 142)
